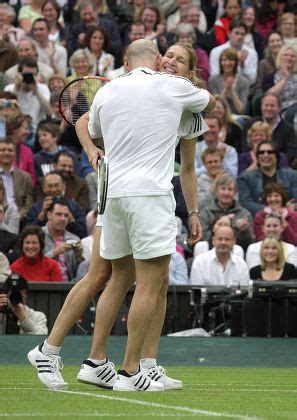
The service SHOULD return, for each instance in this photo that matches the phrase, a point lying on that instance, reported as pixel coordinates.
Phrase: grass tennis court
(232, 378)
(231, 393)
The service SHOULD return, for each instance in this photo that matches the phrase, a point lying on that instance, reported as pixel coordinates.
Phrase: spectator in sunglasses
(252, 183)
(258, 132)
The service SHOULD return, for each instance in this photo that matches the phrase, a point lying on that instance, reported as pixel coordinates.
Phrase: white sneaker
(137, 382)
(103, 376)
(158, 374)
(48, 368)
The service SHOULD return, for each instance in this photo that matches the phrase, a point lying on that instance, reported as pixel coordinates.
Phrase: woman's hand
(228, 85)
(291, 205)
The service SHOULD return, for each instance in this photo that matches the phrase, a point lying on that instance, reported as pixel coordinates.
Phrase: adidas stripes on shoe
(48, 368)
(138, 382)
(103, 375)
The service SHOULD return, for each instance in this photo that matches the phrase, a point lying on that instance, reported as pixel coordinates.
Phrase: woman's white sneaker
(103, 375)
(138, 382)
(48, 368)
(158, 374)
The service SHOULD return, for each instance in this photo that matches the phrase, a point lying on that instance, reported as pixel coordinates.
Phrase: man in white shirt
(144, 187)
(273, 226)
(49, 52)
(248, 58)
(219, 266)
(211, 141)
(33, 97)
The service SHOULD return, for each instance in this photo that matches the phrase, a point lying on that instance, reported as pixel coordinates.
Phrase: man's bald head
(142, 53)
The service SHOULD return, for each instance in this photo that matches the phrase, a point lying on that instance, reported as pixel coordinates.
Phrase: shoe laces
(55, 363)
(110, 365)
(157, 369)
(161, 370)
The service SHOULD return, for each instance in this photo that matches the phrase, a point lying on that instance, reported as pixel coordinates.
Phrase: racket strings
(77, 98)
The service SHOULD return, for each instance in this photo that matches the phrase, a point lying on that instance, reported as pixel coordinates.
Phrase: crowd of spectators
(246, 163)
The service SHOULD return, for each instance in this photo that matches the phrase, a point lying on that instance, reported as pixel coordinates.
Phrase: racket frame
(103, 171)
(79, 79)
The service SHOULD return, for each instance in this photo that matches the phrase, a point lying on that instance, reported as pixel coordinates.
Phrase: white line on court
(157, 405)
(242, 389)
(95, 414)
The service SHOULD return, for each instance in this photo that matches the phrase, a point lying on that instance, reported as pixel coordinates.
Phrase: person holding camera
(33, 97)
(33, 265)
(15, 315)
(60, 244)
(53, 187)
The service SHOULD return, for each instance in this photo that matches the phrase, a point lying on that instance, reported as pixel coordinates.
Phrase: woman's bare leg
(81, 294)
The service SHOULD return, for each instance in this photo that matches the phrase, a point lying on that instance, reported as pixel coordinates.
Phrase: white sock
(97, 362)
(148, 363)
(49, 350)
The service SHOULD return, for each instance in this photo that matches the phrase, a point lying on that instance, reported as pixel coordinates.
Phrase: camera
(12, 287)
(5, 103)
(72, 242)
(28, 78)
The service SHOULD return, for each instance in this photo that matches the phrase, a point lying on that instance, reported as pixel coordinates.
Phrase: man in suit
(18, 184)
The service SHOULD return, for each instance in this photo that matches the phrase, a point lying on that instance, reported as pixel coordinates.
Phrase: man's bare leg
(149, 275)
(81, 294)
(152, 339)
(150, 347)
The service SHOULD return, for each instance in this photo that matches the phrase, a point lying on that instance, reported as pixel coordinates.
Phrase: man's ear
(158, 61)
(127, 66)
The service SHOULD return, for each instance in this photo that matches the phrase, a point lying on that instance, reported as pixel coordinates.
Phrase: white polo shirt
(138, 115)
(208, 271)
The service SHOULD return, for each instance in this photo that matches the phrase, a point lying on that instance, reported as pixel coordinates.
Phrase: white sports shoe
(138, 382)
(103, 376)
(158, 374)
(48, 368)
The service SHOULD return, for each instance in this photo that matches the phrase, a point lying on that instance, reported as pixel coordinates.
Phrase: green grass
(234, 393)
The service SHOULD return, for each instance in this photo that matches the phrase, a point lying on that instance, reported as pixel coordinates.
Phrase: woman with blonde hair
(283, 81)
(82, 64)
(286, 25)
(230, 132)
(258, 132)
(273, 266)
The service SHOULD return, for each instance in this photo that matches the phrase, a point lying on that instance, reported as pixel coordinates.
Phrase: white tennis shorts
(142, 226)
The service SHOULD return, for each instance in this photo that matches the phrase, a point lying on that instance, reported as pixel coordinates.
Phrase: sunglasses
(269, 152)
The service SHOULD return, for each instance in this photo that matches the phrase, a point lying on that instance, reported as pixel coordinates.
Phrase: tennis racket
(76, 98)
(102, 175)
